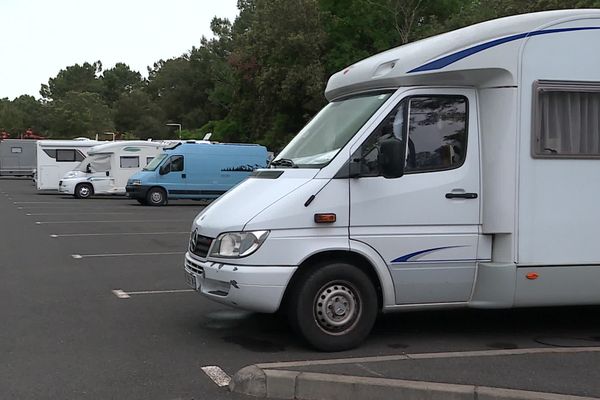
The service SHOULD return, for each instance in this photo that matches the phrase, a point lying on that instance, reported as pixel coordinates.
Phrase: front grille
(192, 266)
(199, 245)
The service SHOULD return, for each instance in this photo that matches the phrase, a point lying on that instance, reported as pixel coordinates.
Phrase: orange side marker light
(532, 276)
(328, 218)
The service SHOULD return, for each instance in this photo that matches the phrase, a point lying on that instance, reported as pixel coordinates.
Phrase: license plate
(190, 280)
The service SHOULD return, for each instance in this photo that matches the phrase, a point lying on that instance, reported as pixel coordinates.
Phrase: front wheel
(334, 306)
(156, 197)
(84, 191)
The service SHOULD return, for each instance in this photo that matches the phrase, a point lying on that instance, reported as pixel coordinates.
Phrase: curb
(286, 384)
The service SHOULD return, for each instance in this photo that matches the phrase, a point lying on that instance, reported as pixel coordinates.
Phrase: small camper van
(17, 157)
(57, 157)
(458, 171)
(195, 170)
(108, 166)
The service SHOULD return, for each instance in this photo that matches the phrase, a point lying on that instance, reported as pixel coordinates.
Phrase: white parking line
(38, 202)
(80, 256)
(84, 213)
(217, 375)
(110, 221)
(117, 234)
(125, 295)
(422, 356)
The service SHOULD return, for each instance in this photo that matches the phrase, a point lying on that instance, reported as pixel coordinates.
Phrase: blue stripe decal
(452, 58)
(407, 257)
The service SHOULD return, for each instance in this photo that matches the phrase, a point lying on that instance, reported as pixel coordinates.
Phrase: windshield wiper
(283, 162)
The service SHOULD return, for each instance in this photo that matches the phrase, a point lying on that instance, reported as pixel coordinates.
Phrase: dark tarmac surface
(65, 335)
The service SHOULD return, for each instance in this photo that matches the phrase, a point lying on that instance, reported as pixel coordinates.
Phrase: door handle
(461, 195)
(183, 176)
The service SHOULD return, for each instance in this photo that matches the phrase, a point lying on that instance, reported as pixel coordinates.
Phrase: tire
(327, 287)
(84, 191)
(156, 197)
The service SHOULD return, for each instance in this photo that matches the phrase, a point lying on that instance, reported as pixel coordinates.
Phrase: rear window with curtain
(566, 120)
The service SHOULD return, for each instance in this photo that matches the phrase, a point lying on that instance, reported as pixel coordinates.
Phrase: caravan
(57, 157)
(458, 171)
(17, 157)
(108, 166)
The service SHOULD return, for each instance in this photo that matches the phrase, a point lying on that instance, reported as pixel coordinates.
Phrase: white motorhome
(57, 157)
(457, 171)
(108, 166)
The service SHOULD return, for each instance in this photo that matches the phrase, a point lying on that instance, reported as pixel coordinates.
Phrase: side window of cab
(433, 132)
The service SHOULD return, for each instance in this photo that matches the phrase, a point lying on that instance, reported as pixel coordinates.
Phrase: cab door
(172, 176)
(424, 224)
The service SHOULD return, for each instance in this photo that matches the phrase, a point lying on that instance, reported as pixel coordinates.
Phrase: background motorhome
(17, 157)
(108, 166)
(195, 170)
(57, 157)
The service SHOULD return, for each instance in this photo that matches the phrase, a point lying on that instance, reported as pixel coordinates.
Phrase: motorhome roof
(68, 143)
(111, 147)
(481, 54)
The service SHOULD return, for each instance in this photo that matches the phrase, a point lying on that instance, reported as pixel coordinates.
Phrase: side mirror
(391, 158)
(164, 169)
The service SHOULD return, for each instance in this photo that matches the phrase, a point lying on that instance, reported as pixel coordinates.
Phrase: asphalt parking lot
(94, 306)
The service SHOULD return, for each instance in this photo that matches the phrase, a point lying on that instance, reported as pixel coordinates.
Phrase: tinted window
(51, 153)
(148, 160)
(567, 119)
(437, 133)
(79, 156)
(130, 162)
(63, 155)
(176, 163)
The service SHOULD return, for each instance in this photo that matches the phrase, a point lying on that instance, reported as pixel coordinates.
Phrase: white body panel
(49, 169)
(125, 159)
(526, 239)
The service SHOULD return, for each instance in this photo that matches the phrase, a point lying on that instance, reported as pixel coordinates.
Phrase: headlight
(70, 175)
(135, 182)
(237, 244)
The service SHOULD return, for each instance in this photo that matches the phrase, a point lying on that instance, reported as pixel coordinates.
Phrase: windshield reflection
(324, 136)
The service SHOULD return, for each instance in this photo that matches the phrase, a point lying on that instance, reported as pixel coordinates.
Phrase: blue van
(195, 170)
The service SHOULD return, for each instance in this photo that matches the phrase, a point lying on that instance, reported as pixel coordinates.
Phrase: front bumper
(254, 288)
(65, 186)
(136, 191)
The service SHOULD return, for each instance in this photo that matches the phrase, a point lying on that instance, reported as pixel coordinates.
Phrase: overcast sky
(38, 38)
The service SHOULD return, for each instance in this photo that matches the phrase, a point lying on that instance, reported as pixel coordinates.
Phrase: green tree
(79, 114)
(118, 81)
(76, 78)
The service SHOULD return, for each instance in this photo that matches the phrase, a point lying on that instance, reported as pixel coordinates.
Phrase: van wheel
(84, 191)
(156, 197)
(333, 307)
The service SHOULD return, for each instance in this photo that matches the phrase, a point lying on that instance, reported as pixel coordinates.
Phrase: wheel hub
(336, 308)
(156, 197)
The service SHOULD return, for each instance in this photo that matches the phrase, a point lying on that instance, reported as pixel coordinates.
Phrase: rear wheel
(334, 306)
(156, 197)
(84, 190)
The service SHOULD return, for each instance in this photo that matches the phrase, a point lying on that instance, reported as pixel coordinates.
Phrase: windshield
(156, 161)
(321, 139)
(95, 163)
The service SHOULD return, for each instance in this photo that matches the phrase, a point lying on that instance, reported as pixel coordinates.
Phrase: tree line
(259, 78)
